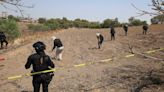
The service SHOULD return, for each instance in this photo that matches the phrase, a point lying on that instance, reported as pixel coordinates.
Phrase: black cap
(39, 46)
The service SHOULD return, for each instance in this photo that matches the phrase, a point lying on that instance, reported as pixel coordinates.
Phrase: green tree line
(10, 27)
(64, 23)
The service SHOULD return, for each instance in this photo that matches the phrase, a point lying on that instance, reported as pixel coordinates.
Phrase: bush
(136, 22)
(94, 25)
(42, 20)
(38, 27)
(52, 24)
(10, 28)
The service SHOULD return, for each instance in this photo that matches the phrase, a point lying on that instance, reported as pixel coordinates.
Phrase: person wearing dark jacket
(100, 39)
(112, 32)
(125, 27)
(59, 47)
(3, 39)
(145, 28)
(40, 62)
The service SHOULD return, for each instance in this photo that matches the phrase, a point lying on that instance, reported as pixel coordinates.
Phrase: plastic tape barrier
(78, 65)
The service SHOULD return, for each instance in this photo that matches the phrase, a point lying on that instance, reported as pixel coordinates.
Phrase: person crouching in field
(59, 48)
(145, 28)
(3, 39)
(100, 39)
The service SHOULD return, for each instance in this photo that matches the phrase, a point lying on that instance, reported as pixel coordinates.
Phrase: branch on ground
(130, 48)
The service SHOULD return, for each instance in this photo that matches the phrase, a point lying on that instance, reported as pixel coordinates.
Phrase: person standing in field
(112, 32)
(125, 27)
(40, 62)
(145, 29)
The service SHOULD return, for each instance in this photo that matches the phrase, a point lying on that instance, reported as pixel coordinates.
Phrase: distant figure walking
(125, 27)
(3, 39)
(100, 39)
(145, 28)
(59, 48)
(112, 32)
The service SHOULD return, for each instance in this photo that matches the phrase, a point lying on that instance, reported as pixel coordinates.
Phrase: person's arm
(28, 63)
(54, 46)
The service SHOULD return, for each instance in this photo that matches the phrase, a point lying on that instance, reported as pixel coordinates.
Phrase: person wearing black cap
(100, 39)
(40, 62)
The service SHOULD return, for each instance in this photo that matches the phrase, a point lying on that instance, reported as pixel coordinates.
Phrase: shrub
(38, 27)
(10, 28)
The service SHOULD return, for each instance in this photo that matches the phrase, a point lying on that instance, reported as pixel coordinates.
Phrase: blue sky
(92, 10)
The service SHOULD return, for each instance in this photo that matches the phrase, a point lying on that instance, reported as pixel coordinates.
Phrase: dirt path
(120, 75)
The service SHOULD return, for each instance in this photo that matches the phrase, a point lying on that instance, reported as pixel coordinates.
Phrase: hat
(97, 34)
(53, 37)
(39, 46)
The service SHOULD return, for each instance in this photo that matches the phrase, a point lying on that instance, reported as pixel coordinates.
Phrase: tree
(11, 17)
(158, 19)
(136, 22)
(53, 24)
(17, 3)
(110, 22)
(94, 25)
(42, 20)
(156, 5)
(131, 19)
(64, 23)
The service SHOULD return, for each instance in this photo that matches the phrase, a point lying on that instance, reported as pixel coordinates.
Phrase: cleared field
(140, 72)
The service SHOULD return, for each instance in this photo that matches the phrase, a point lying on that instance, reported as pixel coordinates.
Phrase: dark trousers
(99, 44)
(144, 32)
(126, 32)
(38, 80)
(112, 37)
(3, 41)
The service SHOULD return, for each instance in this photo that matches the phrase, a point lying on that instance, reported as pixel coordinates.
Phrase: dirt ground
(141, 73)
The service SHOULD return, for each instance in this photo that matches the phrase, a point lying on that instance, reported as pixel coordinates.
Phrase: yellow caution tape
(14, 77)
(161, 49)
(80, 65)
(152, 51)
(30, 74)
(106, 60)
(59, 69)
(131, 55)
(52, 70)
